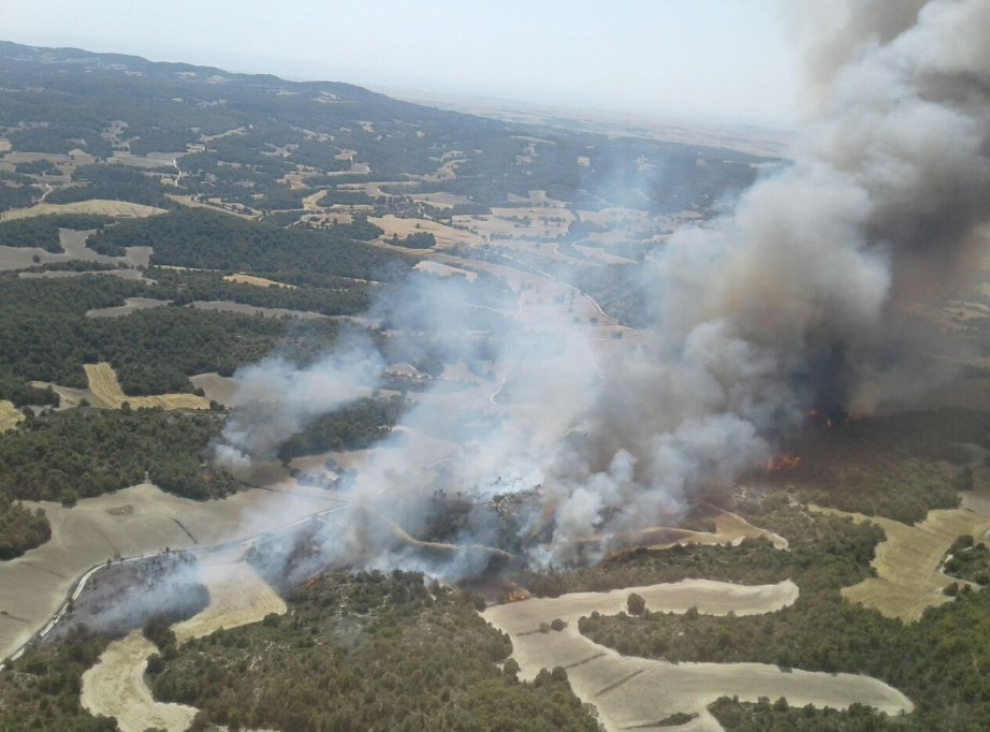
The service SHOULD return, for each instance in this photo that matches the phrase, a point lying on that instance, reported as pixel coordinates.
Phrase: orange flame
(516, 595)
(782, 462)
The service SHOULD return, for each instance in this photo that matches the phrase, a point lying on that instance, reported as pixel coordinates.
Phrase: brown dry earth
(908, 562)
(636, 693)
(10, 416)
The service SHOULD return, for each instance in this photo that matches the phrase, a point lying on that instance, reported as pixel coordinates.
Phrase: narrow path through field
(636, 693)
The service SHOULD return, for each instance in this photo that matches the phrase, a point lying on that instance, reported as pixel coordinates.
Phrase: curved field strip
(908, 578)
(106, 392)
(238, 596)
(120, 209)
(115, 687)
(10, 416)
(246, 279)
(633, 693)
(130, 305)
(730, 528)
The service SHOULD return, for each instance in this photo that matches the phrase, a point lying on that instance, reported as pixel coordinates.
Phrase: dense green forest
(887, 465)
(42, 231)
(366, 652)
(191, 237)
(352, 427)
(58, 100)
(939, 662)
(20, 528)
(46, 336)
(42, 690)
(64, 456)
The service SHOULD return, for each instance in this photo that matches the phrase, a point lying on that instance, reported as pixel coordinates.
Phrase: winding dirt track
(635, 693)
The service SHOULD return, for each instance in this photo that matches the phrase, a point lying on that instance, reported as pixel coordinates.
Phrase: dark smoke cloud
(788, 303)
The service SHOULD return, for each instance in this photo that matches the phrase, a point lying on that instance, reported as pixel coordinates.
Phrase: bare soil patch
(636, 693)
(221, 389)
(10, 416)
(237, 307)
(131, 304)
(444, 270)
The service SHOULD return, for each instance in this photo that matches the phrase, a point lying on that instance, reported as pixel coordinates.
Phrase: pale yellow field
(120, 209)
(510, 222)
(10, 416)
(131, 522)
(312, 201)
(238, 596)
(191, 203)
(4, 145)
(907, 563)
(246, 279)
(445, 235)
(635, 693)
(106, 392)
(115, 687)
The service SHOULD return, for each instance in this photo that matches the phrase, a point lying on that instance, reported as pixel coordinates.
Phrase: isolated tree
(636, 604)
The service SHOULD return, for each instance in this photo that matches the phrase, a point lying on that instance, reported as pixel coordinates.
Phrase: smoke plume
(789, 303)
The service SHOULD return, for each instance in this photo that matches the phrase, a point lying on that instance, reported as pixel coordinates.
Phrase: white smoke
(781, 306)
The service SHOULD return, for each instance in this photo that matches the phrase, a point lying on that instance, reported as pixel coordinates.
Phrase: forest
(368, 651)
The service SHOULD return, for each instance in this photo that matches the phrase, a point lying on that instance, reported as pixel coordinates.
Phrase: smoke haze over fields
(786, 305)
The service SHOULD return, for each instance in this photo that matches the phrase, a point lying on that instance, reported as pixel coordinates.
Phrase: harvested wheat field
(246, 279)
(908, 562)
(120, 209)
(115, 687)
(635, 693)
(106, 392)
(445, 235)
(238, 596)
(10, 416)
(132, 522)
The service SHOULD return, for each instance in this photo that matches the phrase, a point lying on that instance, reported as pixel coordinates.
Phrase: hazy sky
(729, 58)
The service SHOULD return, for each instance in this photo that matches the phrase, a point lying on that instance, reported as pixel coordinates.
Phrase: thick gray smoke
(784, 305)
